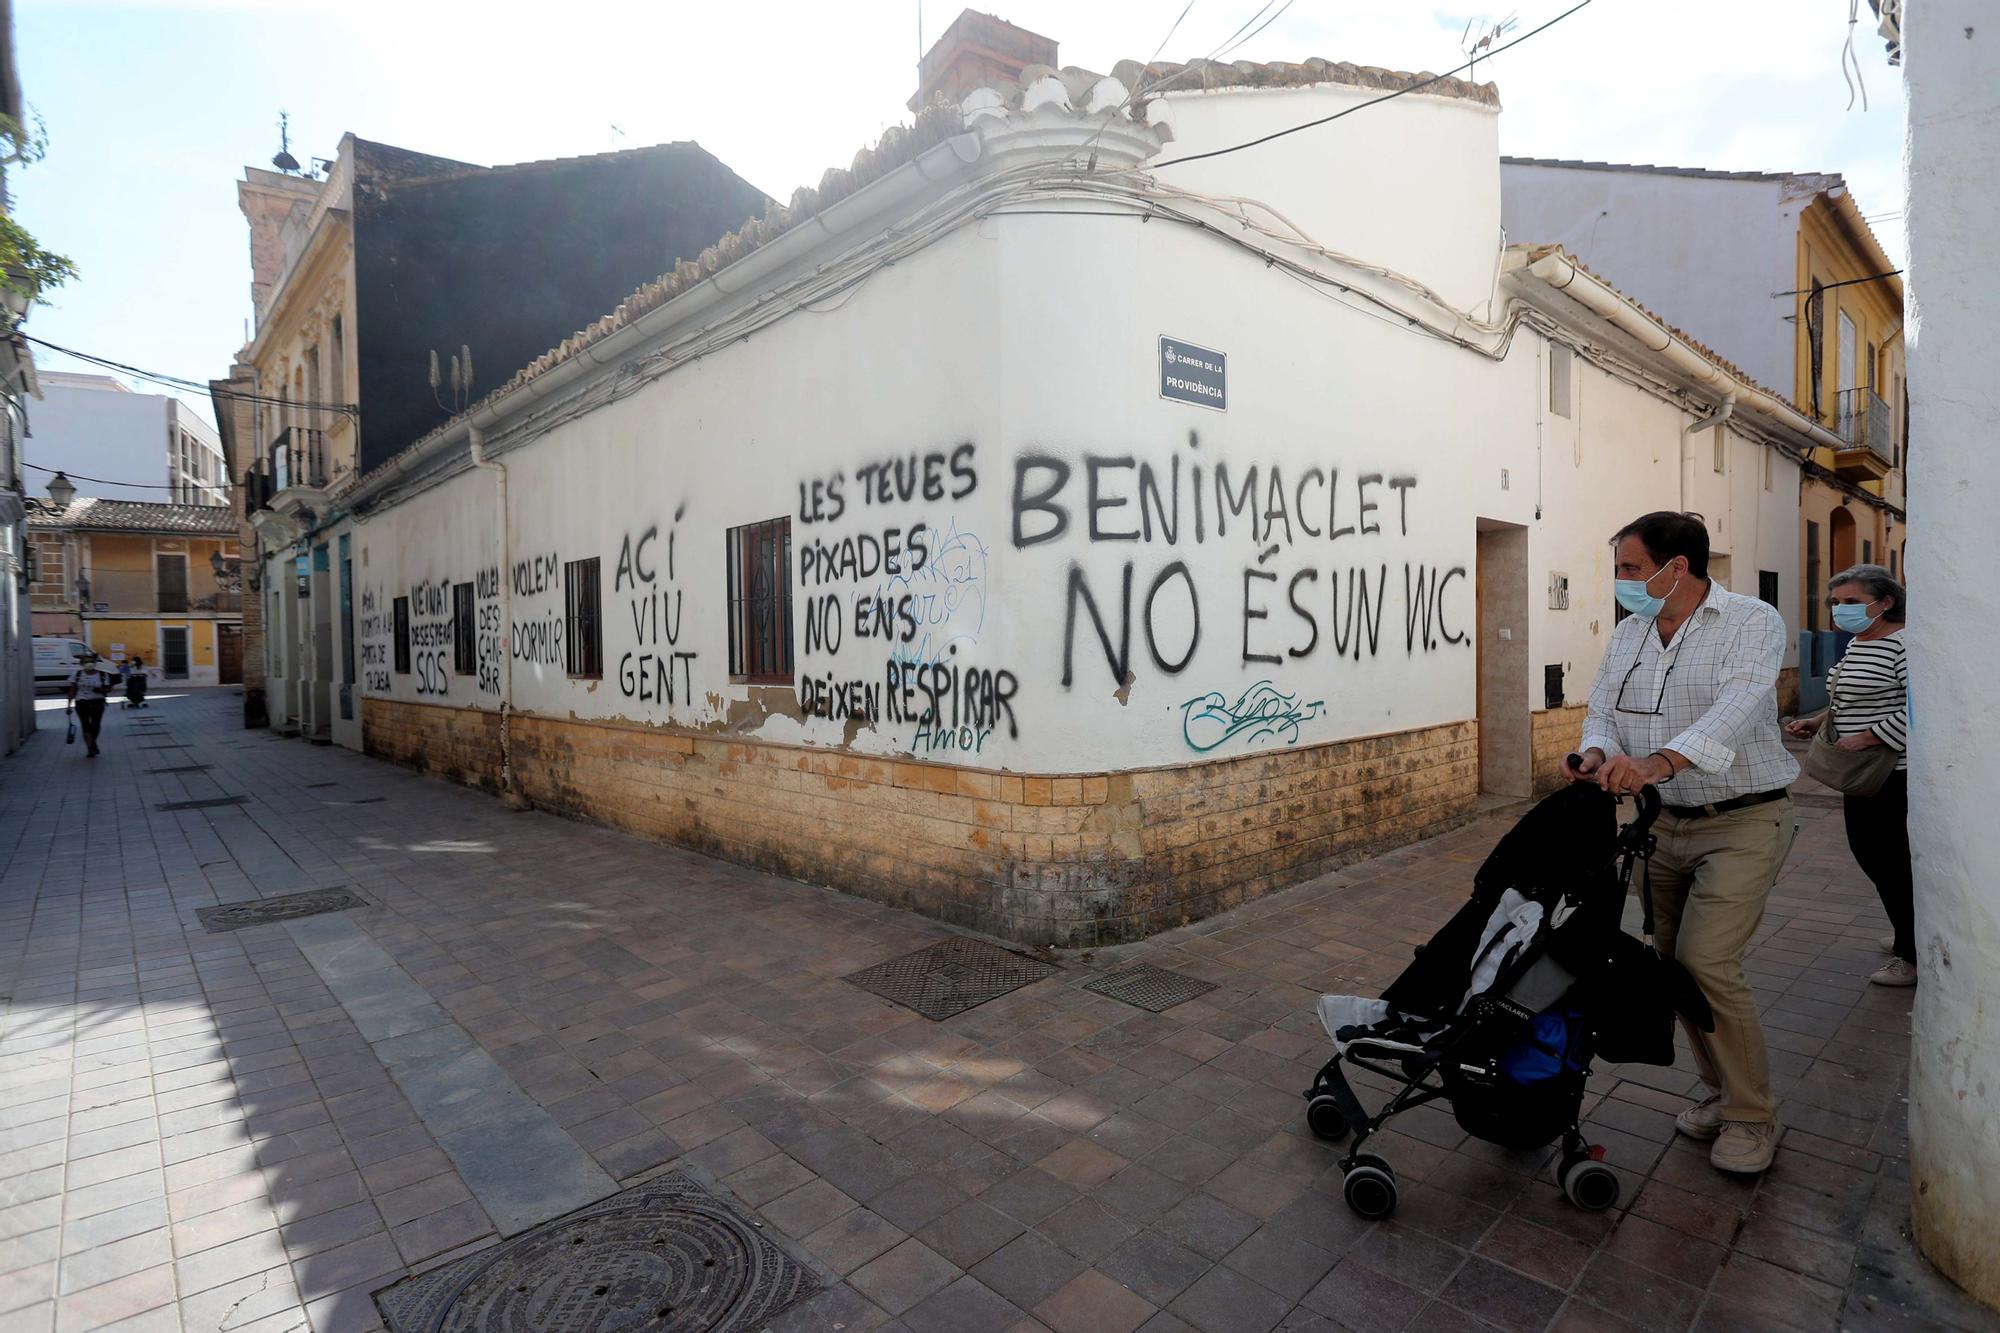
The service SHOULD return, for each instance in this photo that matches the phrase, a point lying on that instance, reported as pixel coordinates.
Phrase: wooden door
(229, 654)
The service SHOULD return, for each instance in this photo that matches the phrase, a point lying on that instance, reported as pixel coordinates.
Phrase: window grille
(583, 628)
(759, 565)
(464, 655)
(403, 636)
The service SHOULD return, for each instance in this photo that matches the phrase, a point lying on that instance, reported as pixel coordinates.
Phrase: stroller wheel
(1370, 1190)
(1590, 1185)
(1323, 1117)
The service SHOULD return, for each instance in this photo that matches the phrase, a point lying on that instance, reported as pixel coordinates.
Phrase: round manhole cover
(661, 1257)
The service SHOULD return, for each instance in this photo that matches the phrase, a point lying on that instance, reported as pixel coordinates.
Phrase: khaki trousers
(1711, 878)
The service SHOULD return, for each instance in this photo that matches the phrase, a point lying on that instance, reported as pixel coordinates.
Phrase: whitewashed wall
(1952, 57)
(1022, 355)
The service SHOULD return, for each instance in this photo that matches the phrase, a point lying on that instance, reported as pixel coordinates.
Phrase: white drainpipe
(1563, 274)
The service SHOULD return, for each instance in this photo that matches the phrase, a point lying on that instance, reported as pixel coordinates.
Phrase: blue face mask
(1852, 617)
(1636, 596)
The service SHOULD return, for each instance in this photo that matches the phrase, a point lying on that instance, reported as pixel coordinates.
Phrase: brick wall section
(1557, 732)
(1074, 861)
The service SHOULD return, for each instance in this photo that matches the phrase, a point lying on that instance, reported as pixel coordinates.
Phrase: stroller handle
(1648, 799)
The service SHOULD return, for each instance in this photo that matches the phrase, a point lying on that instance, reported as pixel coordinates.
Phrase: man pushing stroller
(135, 682)
(1685, 700)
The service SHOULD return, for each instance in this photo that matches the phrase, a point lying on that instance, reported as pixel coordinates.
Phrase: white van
(56, 660)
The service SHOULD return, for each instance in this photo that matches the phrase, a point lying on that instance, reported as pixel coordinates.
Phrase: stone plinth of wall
(1557, 733)
(1788, 692)
(1072, 861)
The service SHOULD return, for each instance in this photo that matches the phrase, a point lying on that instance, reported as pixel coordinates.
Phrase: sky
(152, 109)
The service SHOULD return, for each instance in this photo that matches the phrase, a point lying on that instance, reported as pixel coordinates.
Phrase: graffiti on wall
(891, 611)
(1309, 583)
(375, 633)
(1262, 712)
(537, 637)
(657, 670)
(487, 612)
(430, 637)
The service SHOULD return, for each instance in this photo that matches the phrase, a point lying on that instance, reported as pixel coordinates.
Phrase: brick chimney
(978, 51)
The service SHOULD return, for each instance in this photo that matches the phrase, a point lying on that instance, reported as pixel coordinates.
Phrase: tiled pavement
(253, 1130)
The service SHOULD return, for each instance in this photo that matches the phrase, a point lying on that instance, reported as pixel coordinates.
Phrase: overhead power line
(188, 385)
(134, 485)
(1373, 101)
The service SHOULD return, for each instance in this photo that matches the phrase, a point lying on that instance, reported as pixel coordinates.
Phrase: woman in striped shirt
(1870, 693)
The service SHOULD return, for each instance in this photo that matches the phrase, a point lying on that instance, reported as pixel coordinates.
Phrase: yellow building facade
(153, 581)
(1849, 374)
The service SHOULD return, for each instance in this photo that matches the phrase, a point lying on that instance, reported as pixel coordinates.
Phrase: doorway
(174, 653)
(1506, 710)
(229, 654)
(1841, 528)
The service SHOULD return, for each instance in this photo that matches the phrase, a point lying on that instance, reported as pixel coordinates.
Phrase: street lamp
(61, 491)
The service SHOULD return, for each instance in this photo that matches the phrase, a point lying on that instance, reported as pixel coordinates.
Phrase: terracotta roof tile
(94, 515)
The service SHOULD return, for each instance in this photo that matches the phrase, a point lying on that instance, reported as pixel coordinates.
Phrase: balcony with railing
(298, 463)
(1868, 427)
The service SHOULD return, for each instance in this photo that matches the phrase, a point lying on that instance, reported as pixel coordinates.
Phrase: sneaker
(1703, 1120)
(1895, 972)
(1745, 1147)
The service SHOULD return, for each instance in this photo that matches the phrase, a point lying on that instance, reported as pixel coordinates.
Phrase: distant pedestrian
(90, 688)
(1685, 700)
(1869, 715)
(135, 682)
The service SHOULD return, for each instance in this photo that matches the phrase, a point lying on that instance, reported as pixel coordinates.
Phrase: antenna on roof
(283, 160)
(1485, 42)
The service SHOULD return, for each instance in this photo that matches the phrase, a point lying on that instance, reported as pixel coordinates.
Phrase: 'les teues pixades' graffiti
(893, 590)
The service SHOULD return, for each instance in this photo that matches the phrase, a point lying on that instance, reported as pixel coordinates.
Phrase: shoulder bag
(1849, 772)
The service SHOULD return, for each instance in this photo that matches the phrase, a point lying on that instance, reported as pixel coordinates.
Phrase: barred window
(403, 635)
(464, 656)
(759, 565)
(583, 627)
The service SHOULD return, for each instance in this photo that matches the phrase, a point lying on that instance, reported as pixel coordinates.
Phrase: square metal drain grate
(664, 1255)
(206, 803)
(951, 976)
(1149, 987)
(284, 907)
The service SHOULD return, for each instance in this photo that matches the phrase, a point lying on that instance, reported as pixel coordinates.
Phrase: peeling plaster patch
(1123, 694)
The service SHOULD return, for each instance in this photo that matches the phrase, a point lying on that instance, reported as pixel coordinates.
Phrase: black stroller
(1502, 1011)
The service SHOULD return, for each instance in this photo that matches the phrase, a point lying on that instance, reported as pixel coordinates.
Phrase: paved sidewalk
(257, 1129)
